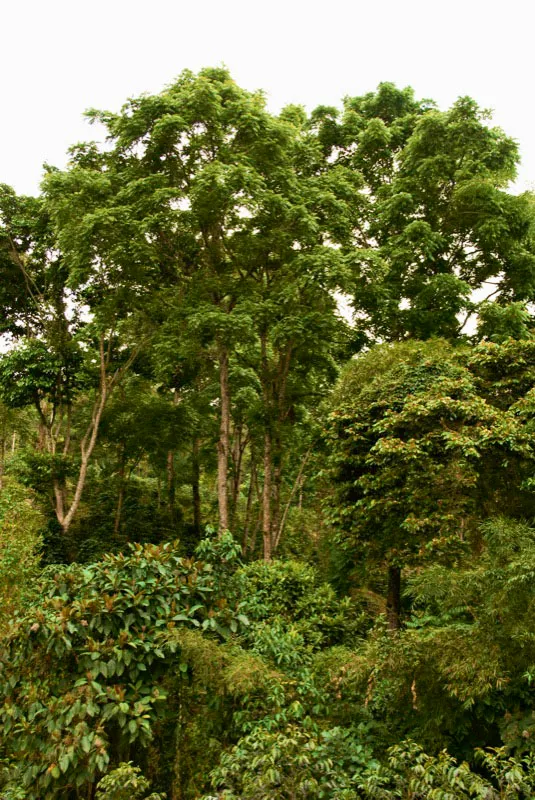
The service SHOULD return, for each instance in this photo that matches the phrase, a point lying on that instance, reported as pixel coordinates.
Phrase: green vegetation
(250, 548)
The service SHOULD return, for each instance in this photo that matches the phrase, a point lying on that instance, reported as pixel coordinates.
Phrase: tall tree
(438, 223)
(421, 452)
(206, 203)
(64, 340)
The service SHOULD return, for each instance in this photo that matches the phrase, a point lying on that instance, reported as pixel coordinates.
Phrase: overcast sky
(59, 57)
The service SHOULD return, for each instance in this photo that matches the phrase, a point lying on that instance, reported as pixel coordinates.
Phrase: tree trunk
(87, 445)
(249, 506)
(41, 442)
(59, 500)
(266, 498)
(171, 477)
(393, 598)
(297, 485)
(276, 495)
(268, 447)
(195, 486)
(171, 487)
(237, 460)
(120, 498)
(223, 444)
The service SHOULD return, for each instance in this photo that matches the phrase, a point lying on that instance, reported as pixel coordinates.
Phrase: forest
(267, 444)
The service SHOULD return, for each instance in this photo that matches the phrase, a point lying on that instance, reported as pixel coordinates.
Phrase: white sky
(59, 57)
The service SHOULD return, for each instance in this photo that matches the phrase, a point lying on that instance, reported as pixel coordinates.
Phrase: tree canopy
(267, 413)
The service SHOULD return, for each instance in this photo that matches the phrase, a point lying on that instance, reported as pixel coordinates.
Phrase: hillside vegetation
(252, 548)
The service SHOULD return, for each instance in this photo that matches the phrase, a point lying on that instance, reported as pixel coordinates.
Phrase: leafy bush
(294, 762)
(289, 595)
(125, 783)
(81, 677)
(460, 674)
(413, 774)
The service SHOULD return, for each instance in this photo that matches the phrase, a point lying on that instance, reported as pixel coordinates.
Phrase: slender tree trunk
(90, 791)
(298, 484)
(249, 506)
(277, 461)
(237, 457)
(59, 500)
(266, 498)
(195, 486)
(13, 442)
(277, 456)
(223, 444)
(119, 509)
(276, 504)
(87, 445)
(41, 441)
(120, 498)
(67, 441)
(268, 449)
(171, 477)
(171, 484)
(258, 523)
(393, 598)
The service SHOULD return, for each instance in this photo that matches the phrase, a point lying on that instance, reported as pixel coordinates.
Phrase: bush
(125, 783)
(289, 594)
(82, 675)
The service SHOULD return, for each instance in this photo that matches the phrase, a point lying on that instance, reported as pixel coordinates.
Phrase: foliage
(429, 681)
(105, 635)
(498, 323)
(125, 783)
(294, 762)
(172, 334)
(287, 599)
(20, 542)
(412, 773)
(438, 222)
(421, 446)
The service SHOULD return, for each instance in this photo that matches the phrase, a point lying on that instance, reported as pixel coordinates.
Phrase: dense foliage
(253, 547)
